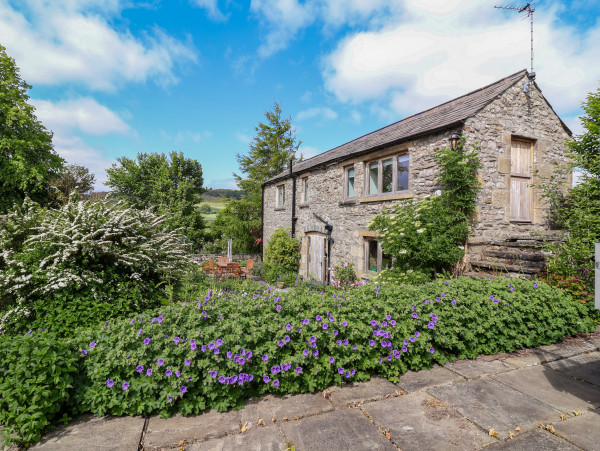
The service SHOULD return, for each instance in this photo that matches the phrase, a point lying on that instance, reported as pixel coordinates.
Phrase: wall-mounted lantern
(454, 140)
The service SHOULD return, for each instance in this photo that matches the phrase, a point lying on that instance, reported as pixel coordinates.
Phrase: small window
(375, 259)
(281, 196)
(305, 189)
(402, 180)
(349, 189)
(388, 176)
(374, 178)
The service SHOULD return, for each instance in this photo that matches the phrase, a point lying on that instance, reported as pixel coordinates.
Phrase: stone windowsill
(279, 208)
(349, 201)
(303, 205)
(386, 197)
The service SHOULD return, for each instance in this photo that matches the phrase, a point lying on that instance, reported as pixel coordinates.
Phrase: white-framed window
(387, 175)
(349, 182)
(281, 196)
(375, 259)
(305, 190)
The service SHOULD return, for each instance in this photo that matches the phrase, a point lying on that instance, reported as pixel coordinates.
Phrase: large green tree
(28, 161)
(270, 152)
(170, 183)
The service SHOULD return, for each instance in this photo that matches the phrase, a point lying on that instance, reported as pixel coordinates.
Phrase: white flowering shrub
(82, 263)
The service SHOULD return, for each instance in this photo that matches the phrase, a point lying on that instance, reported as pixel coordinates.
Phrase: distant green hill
(221, 192)
(215, 199)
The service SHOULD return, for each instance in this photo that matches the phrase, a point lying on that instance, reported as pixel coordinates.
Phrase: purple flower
(140, 331)
(176, 340)
(202, 348)
(266, 379)
(388, 317)
(213, 374)
(178, 373)
(414, 315)
(132, 321)
(313, 339)
(341, 370)
(288, 327)
(266, 357)
(331, 360)
(192, 345)
(216, 351)
(305, 352)
(93, 344)
(426, 302)
(404, 349)
(146, 341)
(278, 307)
(412, 339)
(443, 294)
(344, 323)
(393, 322)
(298, 369)
(316, 353)
(318, 317)
(84, 352)
(219, 342)
(345, 341)
(125, 385)
(535, 285)
(354, 347)
(149, 372)
(447, 282)
(496, 301)
(305, 321)
(405, 342)
(339, 342)
(222, 379)
(110, 383)
(275, 369)
(190, 379)
(417, 334)
(331, 319)
(229, 354)
(384, 324)
(187, 362)
(170, 399)
(431, 324)
(139, 368)
(431, 350)
(275, 383)
(347, 375)
(286, 339)
(371, 343)
(325, 326)
(211, 346)
(30, 330)
(373, 322)
(280, 343)
(512, 289)
(168, 373)
(453, 301)
(183, 389)
(161, 362)
(491, 298)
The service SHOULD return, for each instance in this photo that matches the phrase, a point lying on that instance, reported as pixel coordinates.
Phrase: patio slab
(529, 357)
(418, 421)
(351, 394)
(568, 348)
(581, 430)
(324, 432)
(474, 369)
(279, 407)
(585, 367)
(413, 381)
(88, 432)
(554, 388)
(490, 404)
(536, 440)
(264, 439)
(165, 433)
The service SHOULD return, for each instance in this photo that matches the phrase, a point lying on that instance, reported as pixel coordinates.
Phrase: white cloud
(435, 51)
(189, 135)
(77, 42)
(83, 113)
(228, 183)
(212, 9)
(321, 112)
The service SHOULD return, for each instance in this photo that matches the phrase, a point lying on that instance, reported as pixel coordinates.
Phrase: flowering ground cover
(226, 347)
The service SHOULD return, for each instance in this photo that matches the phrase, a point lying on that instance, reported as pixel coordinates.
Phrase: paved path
(546, 398)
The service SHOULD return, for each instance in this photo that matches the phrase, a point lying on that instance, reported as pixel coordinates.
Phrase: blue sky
(115, 78)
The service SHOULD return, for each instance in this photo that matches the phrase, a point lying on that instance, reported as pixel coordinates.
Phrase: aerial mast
(528, 8)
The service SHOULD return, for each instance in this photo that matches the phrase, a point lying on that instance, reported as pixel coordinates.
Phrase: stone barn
(328, 200)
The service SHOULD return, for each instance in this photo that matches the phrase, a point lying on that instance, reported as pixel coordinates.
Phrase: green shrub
(400, 276)
(83, 263)
(36, 377)
(343, 275)
(282, 257)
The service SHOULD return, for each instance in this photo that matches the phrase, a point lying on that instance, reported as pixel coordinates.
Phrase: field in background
(216, 200)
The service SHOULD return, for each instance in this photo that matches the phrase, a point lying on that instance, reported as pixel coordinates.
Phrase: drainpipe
(294, 218)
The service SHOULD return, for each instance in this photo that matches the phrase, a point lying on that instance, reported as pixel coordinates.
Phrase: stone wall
(512, 114)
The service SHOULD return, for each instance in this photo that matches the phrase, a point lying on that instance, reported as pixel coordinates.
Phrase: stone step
(529, 244)
(530, 260)
(498, 267)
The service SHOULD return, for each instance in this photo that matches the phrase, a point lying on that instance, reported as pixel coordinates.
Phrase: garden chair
(209, 267)
(247, 271)
(223, 260)
(234, 270)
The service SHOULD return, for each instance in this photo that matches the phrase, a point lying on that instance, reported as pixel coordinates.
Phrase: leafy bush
(230, 346)
(401, 276)
(282, 256)
(428, 234)
(82, 262)
(36, 378)
(343, 275)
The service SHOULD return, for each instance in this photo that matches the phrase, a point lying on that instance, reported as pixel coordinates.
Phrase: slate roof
(440, 117)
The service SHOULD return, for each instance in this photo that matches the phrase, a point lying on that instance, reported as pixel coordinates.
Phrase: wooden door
(521, 162)
(316, 257)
